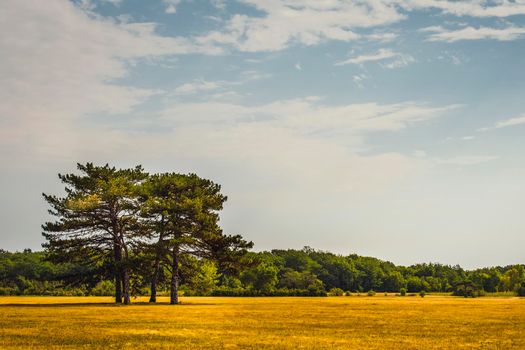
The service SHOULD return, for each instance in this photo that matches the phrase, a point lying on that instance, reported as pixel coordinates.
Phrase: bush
(422, 294)
(521, 290)
(466, 289)
(403, 292)
(336, 292)
(8, 291)
(371, 293)
(348, 293)
(282, 292)
(104, 288)
(186, 291)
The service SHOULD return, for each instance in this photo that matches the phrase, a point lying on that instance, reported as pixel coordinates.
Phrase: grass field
(357, 322)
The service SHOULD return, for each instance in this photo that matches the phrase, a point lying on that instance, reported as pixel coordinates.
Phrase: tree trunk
(154, 279)
(174, 291)
(126, 295)
(118, 273)
(156, 269)
(126, 286)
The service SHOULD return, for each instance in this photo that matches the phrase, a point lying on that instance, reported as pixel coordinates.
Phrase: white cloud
(309, 22)
(298, 66)
(382, 37)
(398, 60)
(248, 75)
(471, 33)
(471, 8)
(306, 22)
(467, 138)
(516, 121)
(277, 141)
(511, 122)
(53, 76)
(467, 160)
(199, 85)
(402, 60)
(359, 79)
(171, 6)
(382, 54)
(113, 2)
(308, 115)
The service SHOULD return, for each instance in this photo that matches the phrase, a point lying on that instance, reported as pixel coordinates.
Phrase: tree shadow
(62, 305)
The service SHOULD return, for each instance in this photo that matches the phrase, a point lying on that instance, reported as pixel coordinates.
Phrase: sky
(388, 128)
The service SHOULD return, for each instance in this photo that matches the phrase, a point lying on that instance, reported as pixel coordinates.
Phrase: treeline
(305, 272)
(126, 232)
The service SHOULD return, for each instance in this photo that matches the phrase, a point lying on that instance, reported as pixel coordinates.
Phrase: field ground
(356, 322)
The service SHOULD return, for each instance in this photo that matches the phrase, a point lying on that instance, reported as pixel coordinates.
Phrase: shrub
(348, 293)
(104, 288)
(466, 289)
(241, 292)
(336, 292)
(422, 294)
(403, 292)
(521, 290)
(8, 291)
(371, 293)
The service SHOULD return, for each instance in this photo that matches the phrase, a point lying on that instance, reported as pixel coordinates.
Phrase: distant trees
(126, 217)
(263, 273)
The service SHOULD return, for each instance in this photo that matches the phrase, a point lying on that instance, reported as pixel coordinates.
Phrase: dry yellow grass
(433, 322)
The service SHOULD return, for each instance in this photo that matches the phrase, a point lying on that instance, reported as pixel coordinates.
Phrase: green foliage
(264, 273)
(205, 279)
(422, 294)
(104, 288)
(262, 278)
(466, 289)
(337, 292)
(371, 293)
(291, 279)
(521, 290)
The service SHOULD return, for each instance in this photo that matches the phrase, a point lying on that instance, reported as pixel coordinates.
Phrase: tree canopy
(122, 218)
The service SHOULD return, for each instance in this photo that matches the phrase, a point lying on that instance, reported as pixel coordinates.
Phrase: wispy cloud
(511, 122)
(471, 33)
(516, 121)
(397, 60)
(308, 23)
(359, 79)
(382, 37)
(472, 8)
(199, 85)
(84, 57)
(310, 114)
(171, 6)
(467, 160)
(380, 55)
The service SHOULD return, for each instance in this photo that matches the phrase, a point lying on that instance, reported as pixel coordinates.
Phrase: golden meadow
(354, 322)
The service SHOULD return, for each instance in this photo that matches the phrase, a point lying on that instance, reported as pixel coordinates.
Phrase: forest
(124, 232)
(275, 273)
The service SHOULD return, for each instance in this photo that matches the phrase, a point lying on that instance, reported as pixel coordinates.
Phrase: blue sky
(392, 128)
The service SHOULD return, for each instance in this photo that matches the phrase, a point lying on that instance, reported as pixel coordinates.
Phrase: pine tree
(183, 210)
(98, 217)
